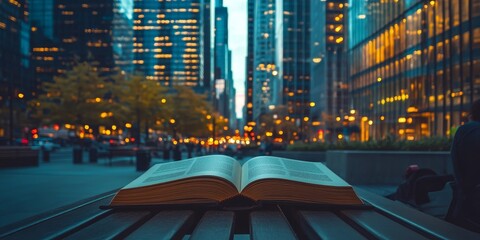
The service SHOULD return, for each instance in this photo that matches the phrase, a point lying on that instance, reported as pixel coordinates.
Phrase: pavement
(29, 192)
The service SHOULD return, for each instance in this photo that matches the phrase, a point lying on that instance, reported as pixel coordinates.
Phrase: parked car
(109, 141)
(45, 143)
(21, 142)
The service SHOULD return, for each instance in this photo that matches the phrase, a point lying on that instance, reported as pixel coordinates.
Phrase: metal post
(10, 113)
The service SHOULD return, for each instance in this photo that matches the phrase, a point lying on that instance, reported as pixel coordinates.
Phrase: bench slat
(63, 222)
(109, 227)
(215, 225)
(164, 225)
(434, 226)
(270, 225)
(326, 225)
(380, 226)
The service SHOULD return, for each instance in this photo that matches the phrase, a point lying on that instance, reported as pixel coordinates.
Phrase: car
(45, 143)
(109, 141)
(21, 142)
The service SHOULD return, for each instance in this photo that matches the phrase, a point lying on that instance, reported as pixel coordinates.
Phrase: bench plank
(270, 225)
(326, 225)
(381, 226)
(61, 222)
(110, 226)
(434, 226)
(164, 225)
(215, 225)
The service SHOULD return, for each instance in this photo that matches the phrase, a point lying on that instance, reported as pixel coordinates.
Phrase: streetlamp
(10, 110)
(172, 123)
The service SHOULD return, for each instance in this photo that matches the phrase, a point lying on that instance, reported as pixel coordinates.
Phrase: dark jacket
(465, 155)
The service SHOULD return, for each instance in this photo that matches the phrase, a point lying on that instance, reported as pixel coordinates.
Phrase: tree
(139, 100)
(189, 110)
(78, 97)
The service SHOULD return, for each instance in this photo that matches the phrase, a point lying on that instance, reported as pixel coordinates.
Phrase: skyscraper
(264, 72)
(293, 60)
(172, 41)
(248, 108)
(15, 84)
(225, 91)
(414, 66)
(46, 51)
(329, 89)
(97, 31)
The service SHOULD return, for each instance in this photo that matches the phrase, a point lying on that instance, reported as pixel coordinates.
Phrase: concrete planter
(384, 167)
(311, 156)
(13, 156)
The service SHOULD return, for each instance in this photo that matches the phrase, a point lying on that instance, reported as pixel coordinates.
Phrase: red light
(24, 141)
(56, 127)
(34, 131)
(132, 139)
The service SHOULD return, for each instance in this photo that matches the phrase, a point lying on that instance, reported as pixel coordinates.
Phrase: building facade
(293, 61)
(248, 108)
(15, 83)
(65, 32)
(225, 91)
(329, 88)
(98, 31)
(414, 66)
(46, 51)
(172, 41)
(264, 72)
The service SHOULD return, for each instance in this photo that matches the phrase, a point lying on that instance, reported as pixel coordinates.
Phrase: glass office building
(329, 89)
(171, 43)
(46, 51)
(15, 82)
(415, 66)
(248, 109)
(97, 31)
(264, 72)
(65, 32)
(41, 17)
(294, 59)
(225, 91)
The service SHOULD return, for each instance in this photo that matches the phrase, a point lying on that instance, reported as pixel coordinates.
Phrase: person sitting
(465, 153)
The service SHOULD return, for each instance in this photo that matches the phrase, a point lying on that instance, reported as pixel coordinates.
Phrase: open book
(218, 178)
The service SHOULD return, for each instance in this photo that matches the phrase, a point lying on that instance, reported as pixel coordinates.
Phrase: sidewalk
(26, 192)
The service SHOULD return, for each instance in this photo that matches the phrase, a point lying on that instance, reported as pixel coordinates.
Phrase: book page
(212, 165)
(281, 168)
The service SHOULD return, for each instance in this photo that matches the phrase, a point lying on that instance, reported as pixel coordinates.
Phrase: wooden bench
(380, 219)
(18, 157)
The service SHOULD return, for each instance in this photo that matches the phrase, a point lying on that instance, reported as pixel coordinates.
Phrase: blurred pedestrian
(199, 149)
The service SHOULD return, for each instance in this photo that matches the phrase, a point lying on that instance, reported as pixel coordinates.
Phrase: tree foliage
(82, 97)
(190, 112)
(78, 97)
(138, 97)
